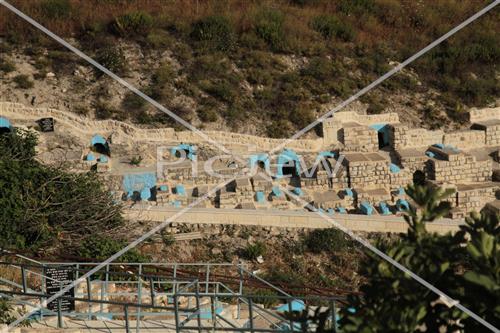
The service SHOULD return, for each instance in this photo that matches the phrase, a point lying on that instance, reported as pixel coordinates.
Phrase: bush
(56, 9)
(164, 74)
(134, 23)
(23, 81)
(102, 247)
(103, 111)
(329, 26)
(327, 240)
(133, 102)
(207, 114)
(269, 26)
(214, 33)
(112, 58)
(47, 207)
(357, 7)
(6, 66)
(159, 38)
(136, 160)
(253, 251)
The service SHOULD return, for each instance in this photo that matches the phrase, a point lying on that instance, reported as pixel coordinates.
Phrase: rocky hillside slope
(265, 68)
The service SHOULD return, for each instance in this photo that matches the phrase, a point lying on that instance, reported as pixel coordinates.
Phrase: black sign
(58, 278)
(46, 124)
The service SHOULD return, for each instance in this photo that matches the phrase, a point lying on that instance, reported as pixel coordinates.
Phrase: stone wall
(125, 133)
(477, 115)
(458, 168)
(359, 138)
(404, 137)
(465, 139)
(473, 197)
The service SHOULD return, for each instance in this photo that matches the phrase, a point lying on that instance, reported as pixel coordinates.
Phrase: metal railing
(191, 295)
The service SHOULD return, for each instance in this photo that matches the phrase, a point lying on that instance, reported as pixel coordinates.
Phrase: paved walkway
(284, 219)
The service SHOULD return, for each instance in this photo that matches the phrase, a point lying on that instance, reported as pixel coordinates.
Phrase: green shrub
(6, 66)
(103, 111)
(167, 238)
(56, 9)
(207, 114)
(23, 81)
(164, 74)
(253, 251)
(222, 90)
(269, 26)
(112, 58)
(214, 33)
(134, 23)
(159, 38)
(357, 7)
(40, 204)
(102, 247)
(136, 160)
(329, 26)
(133, 102)
(327, 240)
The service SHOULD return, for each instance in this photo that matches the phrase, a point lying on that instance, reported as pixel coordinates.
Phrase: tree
(464, 265)
(44, 206)
(394, 302)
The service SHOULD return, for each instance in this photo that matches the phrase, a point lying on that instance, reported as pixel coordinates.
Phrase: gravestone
(58, 278)
(46, 124)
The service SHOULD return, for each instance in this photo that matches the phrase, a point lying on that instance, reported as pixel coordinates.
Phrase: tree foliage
(46, 206)
(465, 266)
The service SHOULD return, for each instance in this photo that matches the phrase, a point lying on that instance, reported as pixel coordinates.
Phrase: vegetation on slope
(465, 266)
(46, 208)
(276, 62)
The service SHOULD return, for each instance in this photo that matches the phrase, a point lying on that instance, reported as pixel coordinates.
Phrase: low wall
(126, 133)
(476, 115)
(465, 139)
(284, 219)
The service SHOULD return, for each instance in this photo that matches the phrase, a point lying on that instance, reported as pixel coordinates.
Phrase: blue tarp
(177, 204)
(384, 209)
(139, 182)
(180, 190)
(298, 191)
(384, 129)
(430, 154)
(286, 159)
(401, 191)
(394, 168)
(438, 145)
(348, 192)
(90, 157)
(5, 123)
(188, 149)
(103, 159)
(330, 211)
(297, 305)
(163, 188)
(259, 195)
(402, 204)
(341, 210)
(98, 139)
(277, 192)
(366, 208)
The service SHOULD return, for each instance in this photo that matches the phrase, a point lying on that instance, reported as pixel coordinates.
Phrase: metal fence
(193, 297)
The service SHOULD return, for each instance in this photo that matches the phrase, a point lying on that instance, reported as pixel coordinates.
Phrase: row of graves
(366, 163)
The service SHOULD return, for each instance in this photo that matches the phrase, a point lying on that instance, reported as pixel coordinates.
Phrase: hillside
(262, 67)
